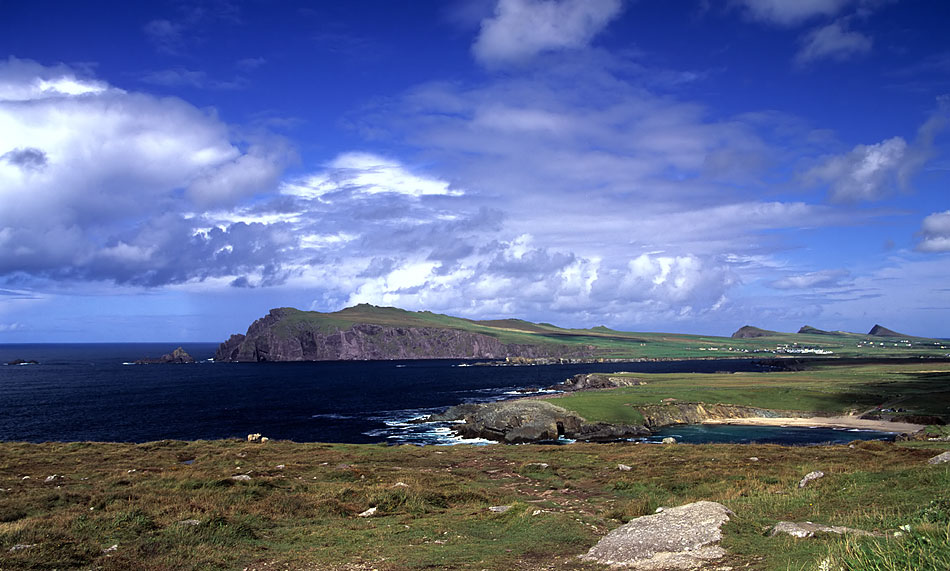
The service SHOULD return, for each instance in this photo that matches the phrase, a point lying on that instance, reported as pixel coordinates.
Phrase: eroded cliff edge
(282, 335)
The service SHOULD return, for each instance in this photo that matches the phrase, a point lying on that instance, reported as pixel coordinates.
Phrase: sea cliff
(283, 335)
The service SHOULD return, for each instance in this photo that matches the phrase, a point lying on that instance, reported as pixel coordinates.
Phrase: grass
(300, 508)
(919, 388)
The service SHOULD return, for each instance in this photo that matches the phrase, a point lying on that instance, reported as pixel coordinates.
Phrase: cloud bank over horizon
(562, 180)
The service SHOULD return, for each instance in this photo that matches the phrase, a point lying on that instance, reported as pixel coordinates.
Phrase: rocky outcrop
(283, 336)
(179, 355)
(521, 421)
(585, 382)
(23, 362)
(659, 415)
(684, 537)
(750, 332)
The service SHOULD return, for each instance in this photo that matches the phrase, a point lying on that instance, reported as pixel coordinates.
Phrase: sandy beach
(825, 421)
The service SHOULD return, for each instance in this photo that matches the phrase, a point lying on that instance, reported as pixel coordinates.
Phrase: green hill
(370, 332)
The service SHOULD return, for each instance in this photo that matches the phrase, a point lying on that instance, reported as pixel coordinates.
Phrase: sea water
(95, 392)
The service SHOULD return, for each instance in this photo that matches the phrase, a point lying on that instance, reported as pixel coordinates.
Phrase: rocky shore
(532, 419)
(521, 421)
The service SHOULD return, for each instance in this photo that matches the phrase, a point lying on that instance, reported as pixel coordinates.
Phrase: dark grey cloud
(26, 158)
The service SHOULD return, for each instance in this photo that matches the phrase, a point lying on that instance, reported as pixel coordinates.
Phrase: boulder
(669, 440)
(940, 458)
(810, 477)
(683, 537)
(808, 529)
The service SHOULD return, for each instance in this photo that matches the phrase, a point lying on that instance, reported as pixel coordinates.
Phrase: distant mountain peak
(881, 331)
(750, 332)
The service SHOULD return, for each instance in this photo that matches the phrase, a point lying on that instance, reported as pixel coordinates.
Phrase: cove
(785, 435)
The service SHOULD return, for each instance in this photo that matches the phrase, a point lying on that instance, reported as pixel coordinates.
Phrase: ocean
(93, 392)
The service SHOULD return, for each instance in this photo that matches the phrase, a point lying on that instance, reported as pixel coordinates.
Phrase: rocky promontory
(287, 334)
(521, 421)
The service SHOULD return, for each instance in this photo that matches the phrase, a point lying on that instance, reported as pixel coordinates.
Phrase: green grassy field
(917, 387)
(299, 510)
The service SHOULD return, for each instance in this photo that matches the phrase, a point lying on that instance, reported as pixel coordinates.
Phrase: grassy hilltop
(603, 342)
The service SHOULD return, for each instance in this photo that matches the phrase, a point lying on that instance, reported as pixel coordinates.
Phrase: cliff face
(659, 415)
(273, 338)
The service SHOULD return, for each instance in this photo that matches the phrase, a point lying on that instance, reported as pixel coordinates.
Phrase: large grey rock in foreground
(683, 537)
(940, 458)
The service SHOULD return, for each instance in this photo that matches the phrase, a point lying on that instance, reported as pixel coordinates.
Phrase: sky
(171, 170)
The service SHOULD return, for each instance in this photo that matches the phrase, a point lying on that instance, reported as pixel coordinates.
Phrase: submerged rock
(683, 537)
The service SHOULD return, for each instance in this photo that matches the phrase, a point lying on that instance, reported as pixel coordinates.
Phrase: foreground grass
(918, 387)
(174, 505)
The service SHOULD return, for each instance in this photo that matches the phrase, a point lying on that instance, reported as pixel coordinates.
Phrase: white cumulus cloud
(935, 233)
(867, 172)
(521, 29)
(83, 163)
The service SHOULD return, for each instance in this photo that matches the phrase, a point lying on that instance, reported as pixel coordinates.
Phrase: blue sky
(172, 170)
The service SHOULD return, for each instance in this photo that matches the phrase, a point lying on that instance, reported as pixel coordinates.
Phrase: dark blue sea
(94, 392)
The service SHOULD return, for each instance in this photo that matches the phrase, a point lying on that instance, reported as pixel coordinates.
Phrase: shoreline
(824, 422)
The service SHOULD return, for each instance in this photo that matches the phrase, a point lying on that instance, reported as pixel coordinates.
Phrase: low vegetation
(913, 390)
(177, 505)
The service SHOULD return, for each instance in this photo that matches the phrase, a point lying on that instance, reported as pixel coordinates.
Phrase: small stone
(241, 477)
(53, 478)
(25, 478)
(21, 546)
(940, 458)
(811, 476)
(264, 439)
(132, 471)
(368, 513)
(624, 468)
(753, 459)
(280, 466)
(669, 440)
(189, 522)
(400, 485)
(539, 465)
(111, 549)
(536, 512)
(255, 437)
(499, 509)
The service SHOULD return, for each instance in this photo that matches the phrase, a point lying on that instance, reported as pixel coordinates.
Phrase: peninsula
(367, 332)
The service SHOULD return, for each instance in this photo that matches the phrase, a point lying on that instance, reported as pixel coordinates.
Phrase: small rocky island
(23, 362)
(179, 355)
